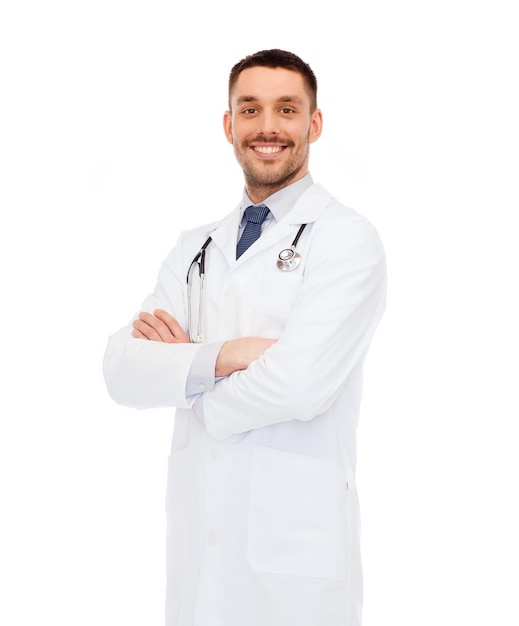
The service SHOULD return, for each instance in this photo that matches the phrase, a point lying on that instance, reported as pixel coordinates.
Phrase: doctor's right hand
(238, 354)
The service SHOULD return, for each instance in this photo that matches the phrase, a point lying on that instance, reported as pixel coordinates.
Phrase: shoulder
(342, 232)
(342, 220)
(317, 204)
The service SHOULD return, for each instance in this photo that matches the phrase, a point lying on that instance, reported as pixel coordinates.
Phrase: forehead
(268, 83)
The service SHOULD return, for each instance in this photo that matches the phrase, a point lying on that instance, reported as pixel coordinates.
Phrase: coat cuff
(201, 374)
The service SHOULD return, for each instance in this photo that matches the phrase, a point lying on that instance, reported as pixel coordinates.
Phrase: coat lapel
(225, 236)
(306, 211)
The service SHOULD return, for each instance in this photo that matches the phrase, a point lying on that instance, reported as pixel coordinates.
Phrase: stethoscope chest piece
(288, 260)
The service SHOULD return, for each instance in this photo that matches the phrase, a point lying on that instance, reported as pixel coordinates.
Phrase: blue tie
(255, 217)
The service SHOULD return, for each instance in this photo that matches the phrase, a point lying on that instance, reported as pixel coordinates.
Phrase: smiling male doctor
(263, 520)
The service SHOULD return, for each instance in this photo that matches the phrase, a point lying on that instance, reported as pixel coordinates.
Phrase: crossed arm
(235, 354)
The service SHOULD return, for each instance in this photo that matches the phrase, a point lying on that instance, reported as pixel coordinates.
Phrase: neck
(258, 192)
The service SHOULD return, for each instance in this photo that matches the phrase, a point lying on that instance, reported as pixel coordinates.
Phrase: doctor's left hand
(158, 326)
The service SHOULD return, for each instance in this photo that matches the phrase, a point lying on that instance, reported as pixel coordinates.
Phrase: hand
(158, 326)
(238, 354)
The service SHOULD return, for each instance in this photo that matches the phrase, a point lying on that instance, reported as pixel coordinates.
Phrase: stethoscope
(288, 260)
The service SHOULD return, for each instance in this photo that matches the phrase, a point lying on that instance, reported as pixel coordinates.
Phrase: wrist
(224, 365)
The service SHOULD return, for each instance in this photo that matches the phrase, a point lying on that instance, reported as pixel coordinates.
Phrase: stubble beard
(267, 177)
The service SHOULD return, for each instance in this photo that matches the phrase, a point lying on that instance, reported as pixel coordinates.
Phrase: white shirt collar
(283, 200)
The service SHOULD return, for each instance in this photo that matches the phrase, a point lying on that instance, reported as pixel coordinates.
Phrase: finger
(174, 327)
(141, 330)
(153, 328)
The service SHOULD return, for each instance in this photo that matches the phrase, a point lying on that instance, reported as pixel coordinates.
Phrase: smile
(268, 149)
(268, 152)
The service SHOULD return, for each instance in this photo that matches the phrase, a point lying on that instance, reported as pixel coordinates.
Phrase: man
(261, 352)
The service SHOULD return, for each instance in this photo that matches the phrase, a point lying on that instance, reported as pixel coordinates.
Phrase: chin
(272, 177)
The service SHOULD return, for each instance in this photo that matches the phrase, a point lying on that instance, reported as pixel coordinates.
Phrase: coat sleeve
(148, 374)
(325, 337)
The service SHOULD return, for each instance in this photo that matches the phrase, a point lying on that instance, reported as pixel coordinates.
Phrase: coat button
(214, 454)
(212, 539)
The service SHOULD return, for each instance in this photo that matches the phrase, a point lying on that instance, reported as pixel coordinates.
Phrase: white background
(111, 143)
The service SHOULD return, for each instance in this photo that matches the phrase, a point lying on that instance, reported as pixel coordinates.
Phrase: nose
(268, 123)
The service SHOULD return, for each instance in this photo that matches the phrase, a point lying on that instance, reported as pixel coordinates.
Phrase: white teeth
(268, 149)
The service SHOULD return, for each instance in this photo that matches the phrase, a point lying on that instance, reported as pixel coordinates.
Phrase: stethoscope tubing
(201, 275)
(288, 259)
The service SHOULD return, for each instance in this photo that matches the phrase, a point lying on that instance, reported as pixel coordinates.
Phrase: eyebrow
(295, 99)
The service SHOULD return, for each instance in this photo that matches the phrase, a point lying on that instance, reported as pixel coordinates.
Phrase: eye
(287, 111)
(249, 111)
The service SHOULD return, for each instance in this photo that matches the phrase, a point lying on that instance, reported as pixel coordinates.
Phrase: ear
(316, 126)
(227, 126)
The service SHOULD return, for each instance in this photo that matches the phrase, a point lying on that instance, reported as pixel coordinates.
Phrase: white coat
(263, 520)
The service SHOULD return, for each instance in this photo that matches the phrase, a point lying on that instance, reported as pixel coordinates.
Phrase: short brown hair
(277, 58)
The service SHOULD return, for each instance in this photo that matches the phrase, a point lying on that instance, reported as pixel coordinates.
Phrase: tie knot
(256, 214)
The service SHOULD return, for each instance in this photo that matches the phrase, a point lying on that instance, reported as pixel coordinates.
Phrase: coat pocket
(298, 516)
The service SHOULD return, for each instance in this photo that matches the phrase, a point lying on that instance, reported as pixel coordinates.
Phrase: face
(271, 127)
